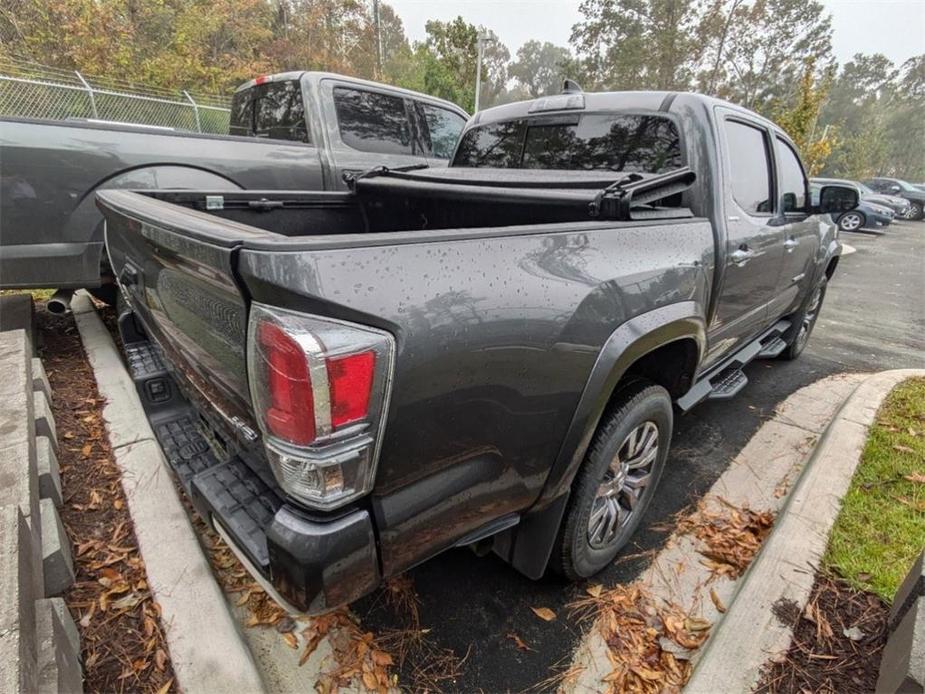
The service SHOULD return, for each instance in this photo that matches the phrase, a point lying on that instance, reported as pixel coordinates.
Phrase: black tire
(637, 406)
(853, 220)
(916, 211)
(797, 337)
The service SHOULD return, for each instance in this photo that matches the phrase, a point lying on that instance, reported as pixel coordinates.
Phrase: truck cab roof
(590, 102)
(315, 77)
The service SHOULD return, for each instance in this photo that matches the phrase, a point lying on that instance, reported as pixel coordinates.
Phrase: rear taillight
(319, 389)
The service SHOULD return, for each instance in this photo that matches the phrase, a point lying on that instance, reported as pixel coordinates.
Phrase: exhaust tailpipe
(60, 302)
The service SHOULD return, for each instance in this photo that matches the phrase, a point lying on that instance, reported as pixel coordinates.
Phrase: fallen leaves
(122, 642)
(641, 634)
(544, 613)
(916, 477)
(731, 536)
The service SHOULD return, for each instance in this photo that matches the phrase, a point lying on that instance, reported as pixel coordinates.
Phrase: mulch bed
(837, 643)
(122, 640)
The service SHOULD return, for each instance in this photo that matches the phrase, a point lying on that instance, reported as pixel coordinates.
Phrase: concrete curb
(207, 650)
(784, 571)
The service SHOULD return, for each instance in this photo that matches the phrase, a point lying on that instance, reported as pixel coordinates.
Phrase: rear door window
(749, 167)
(440, 129)
(373, 121)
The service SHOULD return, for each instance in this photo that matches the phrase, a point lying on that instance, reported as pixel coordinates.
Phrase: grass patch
(881, 528)
(37, 294)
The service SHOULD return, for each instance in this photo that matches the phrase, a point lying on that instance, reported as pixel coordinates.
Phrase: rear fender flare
(528, 545)
(627, 344)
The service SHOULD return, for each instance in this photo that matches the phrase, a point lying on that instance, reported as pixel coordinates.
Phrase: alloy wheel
(850, 222)
(624, 483)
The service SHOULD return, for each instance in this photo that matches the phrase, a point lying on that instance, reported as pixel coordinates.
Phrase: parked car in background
(291, 131)
(867, 214)
(485, 355)
(903, 189)
(900, 206)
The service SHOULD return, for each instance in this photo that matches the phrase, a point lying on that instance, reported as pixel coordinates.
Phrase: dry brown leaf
(160, 659)
(916, 477)
(544, 613)
(85, 451)
(594, 590)
(370, 681)
(519, 642)
(717, 603)
(166, 687)
(903, 449)
(291, 640)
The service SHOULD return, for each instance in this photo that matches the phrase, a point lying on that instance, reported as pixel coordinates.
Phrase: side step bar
(727, 379)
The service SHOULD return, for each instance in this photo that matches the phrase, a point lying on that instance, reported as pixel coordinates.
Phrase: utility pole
(480, 43)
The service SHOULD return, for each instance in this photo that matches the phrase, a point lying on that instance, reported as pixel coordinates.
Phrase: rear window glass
(373, 121)
(273, 110)
(615, 142)
(441, 129)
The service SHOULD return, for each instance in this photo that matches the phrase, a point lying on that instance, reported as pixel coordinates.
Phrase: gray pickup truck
(291, 131)
(490, 354)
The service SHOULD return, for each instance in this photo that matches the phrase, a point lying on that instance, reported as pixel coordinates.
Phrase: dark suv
(903, 189)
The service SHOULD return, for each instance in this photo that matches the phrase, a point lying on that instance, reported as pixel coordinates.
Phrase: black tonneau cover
(616, 195)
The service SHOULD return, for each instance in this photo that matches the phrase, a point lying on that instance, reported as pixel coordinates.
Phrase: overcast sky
(895, 28)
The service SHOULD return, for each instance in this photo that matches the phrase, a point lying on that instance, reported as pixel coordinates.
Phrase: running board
(728, 378)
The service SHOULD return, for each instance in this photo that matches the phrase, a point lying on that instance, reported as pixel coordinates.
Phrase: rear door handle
(790, 244)
(740, 256)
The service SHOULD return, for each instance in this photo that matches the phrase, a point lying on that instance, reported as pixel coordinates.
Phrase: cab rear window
(613, 141)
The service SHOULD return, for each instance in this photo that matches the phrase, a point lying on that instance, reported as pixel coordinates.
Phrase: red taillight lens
(350, 379)
(291, 414)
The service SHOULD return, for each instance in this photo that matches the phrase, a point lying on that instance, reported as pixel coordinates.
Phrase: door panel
(753, 244)
(800, 233)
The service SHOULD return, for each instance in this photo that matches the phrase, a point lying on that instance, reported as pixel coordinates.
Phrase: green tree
(800, 120)
(450, 62)
(539, 67)
(637, 44)
(762, 47)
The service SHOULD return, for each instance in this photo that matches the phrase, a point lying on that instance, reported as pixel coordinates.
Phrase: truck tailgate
(176, 270)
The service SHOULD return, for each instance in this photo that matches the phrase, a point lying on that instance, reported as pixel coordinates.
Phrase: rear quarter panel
(496, 338)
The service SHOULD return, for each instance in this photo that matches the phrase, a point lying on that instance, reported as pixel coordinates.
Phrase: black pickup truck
(490, 354)
(290, 131)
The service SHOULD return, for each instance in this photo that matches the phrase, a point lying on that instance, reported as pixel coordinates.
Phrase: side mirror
(837, 199)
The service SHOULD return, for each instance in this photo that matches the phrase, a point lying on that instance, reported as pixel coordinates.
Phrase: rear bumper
(308, 564)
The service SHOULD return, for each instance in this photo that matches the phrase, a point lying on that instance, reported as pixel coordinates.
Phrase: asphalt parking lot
(873, 319)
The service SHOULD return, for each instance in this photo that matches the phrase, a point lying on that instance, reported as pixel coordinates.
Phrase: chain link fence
(31, 90)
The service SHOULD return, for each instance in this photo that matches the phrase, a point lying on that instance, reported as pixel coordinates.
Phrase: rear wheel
(851, 221)
(804, 322)
(616, 481)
